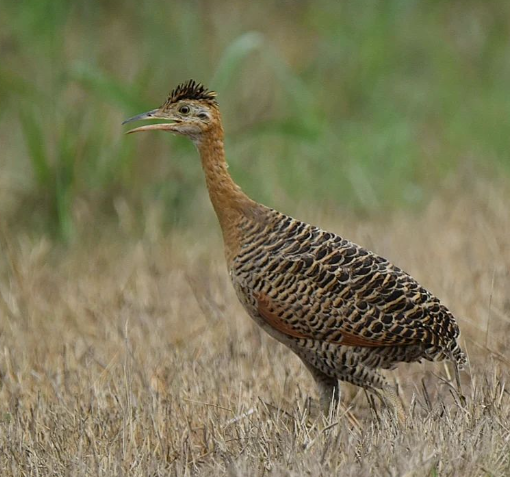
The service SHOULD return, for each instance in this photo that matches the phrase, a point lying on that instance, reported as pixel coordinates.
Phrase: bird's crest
(191, 90)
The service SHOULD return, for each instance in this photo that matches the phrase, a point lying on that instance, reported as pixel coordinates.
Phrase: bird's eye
(184, 109)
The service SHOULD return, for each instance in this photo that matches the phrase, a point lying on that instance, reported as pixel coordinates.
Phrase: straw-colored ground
(122, 358)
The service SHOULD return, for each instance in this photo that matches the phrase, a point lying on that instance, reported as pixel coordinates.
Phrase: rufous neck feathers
(230, 203)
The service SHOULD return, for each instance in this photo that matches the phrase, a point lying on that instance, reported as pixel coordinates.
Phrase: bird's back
(311, 288)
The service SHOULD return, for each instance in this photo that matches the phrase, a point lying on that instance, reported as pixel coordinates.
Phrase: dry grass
(123, 358)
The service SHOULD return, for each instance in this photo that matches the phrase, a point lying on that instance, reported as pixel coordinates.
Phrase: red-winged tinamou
(345, 311)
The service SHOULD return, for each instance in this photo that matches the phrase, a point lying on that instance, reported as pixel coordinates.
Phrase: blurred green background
(359, 105)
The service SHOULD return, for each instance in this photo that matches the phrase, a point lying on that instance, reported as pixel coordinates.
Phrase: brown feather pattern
(346, 310)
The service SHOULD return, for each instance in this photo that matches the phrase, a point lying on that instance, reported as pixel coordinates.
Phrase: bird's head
(191, 110)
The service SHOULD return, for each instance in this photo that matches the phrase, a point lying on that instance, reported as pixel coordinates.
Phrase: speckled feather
(340, 307)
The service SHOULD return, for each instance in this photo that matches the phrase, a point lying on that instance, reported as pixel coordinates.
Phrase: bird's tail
(457, 355)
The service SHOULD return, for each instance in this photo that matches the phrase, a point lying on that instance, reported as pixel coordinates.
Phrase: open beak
(154, 114)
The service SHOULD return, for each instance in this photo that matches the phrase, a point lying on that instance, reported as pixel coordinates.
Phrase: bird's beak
(154, 114)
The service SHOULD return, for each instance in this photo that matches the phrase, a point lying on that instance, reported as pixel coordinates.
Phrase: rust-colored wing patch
(269, 312)
(272, 319)
(354, 340)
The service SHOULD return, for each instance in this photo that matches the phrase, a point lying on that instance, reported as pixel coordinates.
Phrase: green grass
(366, 105)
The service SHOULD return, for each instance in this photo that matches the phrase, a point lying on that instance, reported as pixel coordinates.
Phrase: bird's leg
(462, 398)
(388, 395)
(329, 390)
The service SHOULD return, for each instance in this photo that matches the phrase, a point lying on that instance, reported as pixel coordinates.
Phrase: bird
(345, 311)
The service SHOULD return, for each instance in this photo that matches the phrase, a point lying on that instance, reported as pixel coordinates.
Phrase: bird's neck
(230, 203)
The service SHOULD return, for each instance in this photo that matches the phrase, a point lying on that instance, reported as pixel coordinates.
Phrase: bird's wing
(341, 293)
(271, 311)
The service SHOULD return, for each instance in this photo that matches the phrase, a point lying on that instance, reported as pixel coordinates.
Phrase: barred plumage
(311, 287)
(345, 311)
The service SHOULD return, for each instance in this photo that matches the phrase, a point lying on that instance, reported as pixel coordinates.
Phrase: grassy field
(134, 358)
(123, 350)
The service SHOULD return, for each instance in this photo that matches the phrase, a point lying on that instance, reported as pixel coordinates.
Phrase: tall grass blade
(233, 56)
(37, 148)
(104, 86)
